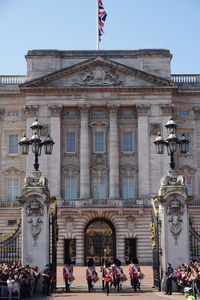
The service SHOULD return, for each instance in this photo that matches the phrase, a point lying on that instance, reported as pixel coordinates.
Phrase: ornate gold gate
(100, 241)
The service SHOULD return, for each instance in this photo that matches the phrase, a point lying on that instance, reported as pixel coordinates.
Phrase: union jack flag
(102, 17)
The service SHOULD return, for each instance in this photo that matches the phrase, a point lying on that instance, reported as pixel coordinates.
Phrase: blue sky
(71, 25)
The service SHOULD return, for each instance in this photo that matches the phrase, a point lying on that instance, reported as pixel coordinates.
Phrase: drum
(95, 278)
(71, 277)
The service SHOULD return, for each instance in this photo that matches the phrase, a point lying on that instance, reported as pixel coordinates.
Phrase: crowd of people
(187, 277)
(110, 274)
(17, 281)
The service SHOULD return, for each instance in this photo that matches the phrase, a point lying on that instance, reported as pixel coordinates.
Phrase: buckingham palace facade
(103, 109)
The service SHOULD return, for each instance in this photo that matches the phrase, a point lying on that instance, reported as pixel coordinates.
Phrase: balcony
(106, 203)
(9, 204)
(190, 80)
(12, 80)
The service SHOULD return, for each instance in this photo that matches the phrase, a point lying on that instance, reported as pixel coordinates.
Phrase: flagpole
(97, 37)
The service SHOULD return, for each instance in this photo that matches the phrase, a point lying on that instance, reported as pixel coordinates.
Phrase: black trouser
(90, 286)
(67, 285)
(169, 286)
(102, 284)
(46, 287)
(134, 282)
(107, 287)
(118, 284)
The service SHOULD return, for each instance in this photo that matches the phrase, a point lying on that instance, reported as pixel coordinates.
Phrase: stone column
(54, 164)
(143, 150)
(84, 154)
(113, 154)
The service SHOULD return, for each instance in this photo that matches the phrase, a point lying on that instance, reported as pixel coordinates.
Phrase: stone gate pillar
(35, 201)
(174, 219)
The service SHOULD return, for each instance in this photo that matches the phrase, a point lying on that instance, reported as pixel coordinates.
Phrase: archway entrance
(100, 240)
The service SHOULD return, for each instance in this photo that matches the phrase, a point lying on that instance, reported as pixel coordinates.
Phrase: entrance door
(130, 250)
(99, 241)
(69, 250)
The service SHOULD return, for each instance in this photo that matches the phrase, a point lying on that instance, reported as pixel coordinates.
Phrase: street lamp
(171, 142)
(36, 143)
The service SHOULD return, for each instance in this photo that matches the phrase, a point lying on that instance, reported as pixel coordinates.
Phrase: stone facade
(103, 110)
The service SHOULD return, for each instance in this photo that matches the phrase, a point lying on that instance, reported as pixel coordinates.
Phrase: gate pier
(35, 201)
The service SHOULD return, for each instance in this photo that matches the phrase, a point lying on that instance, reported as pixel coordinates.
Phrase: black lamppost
(36, 143)
(171, 142)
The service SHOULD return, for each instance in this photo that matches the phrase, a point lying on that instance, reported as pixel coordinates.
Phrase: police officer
(46, 280)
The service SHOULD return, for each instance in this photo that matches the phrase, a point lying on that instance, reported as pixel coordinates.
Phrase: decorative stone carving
(155, 128)
(2, 112)
(31, 110)
(99, 159)
(196, 110)
(172, 182)
(113, 109)
(99, 75)
(142, 109)
(69, 223)
(55, 110)
(35, 208)
(167, 109)
(98, 123)
(128, 171)
(12, 171)
(130, 223)
(44, 130)
(36, 180)
(36, 228)
(84, 109)
(71, 171)
(99, 171)
(175, 210)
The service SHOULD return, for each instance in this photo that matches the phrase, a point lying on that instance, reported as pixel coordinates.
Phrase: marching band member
(68, 274)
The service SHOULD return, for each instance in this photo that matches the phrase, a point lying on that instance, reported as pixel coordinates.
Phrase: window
(12, 222)
(184, 113)
(99, 142)
(99, 188)
(127, 144)
(99, 112)
(71, 188)
(127, 112)
(188, 183)
(13, 114)
(13, 189)
(70, 142)
(13, 144)
(128, 187)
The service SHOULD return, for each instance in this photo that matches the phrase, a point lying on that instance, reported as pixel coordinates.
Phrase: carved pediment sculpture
(99, 75)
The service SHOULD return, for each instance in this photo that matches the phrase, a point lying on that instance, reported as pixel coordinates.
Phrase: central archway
(100, 240)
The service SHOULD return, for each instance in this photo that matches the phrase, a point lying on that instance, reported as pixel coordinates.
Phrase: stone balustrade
(9, 204)
(103, 203)
(186, 79)
(15, 79)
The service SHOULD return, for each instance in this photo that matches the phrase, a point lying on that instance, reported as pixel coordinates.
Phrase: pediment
(97, 72)
(12, 171)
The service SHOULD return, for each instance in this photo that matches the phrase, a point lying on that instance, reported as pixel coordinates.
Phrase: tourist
(189, 293)
(68, 274)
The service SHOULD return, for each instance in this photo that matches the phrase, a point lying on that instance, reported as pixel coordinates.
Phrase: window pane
(71, 188)
(99, 142)
(13, 144)
(100, 188)
(70, 142)
(13, 189)
(129, 188)
(127, 142)
(188, 183)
